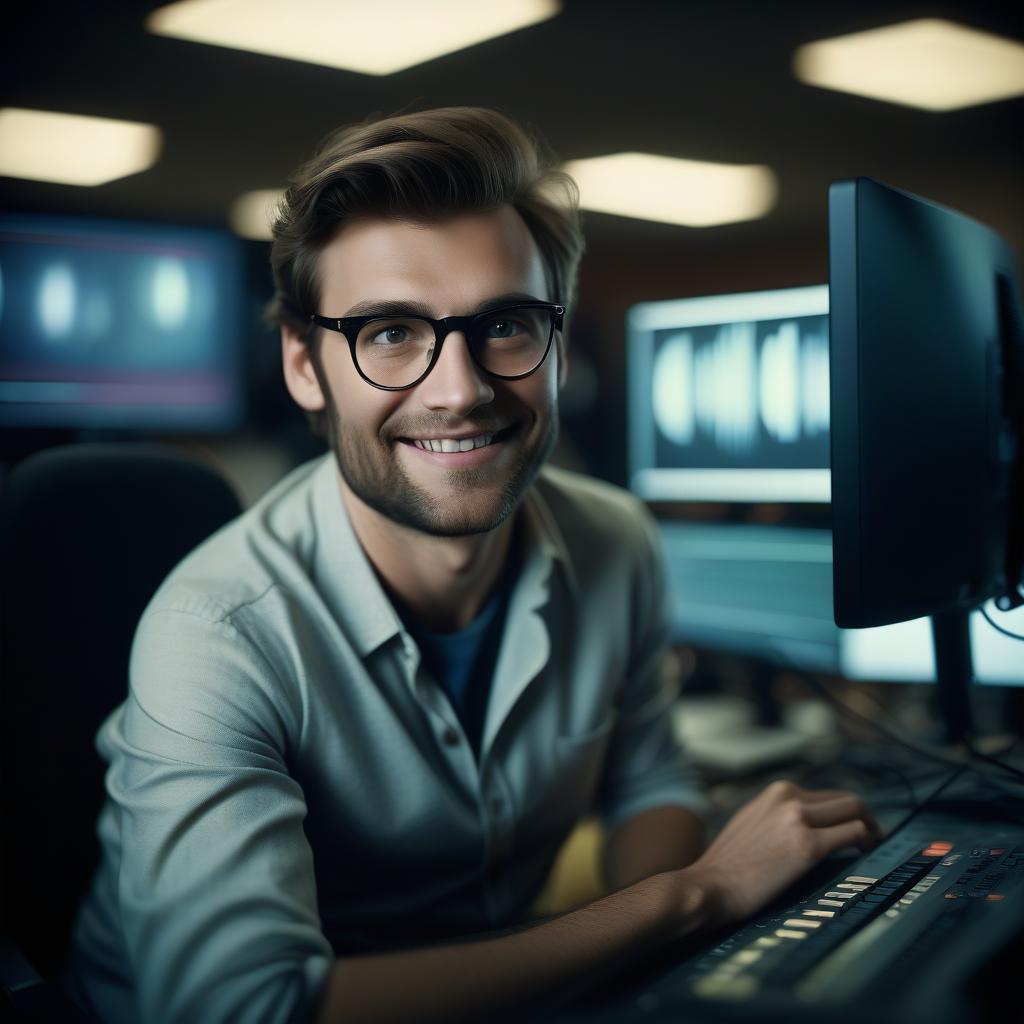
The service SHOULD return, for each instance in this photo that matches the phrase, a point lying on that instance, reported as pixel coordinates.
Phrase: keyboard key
(714, 986)
(789, 933)
(862, 879)
(747, 956)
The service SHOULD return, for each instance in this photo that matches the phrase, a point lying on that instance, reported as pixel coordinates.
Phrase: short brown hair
(419, 166)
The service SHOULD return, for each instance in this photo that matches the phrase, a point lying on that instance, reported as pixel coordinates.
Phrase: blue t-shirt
(463, 662)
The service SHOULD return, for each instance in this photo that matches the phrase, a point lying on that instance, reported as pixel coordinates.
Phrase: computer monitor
(115, 325)
(729, 397)
(766, 592)
(927, 400)
(902, 652)
(756, 589)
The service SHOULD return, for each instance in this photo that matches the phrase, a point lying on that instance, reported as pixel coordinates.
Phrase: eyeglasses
(398, 351)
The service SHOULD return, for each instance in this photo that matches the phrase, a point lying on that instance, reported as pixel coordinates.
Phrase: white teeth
(449, 444)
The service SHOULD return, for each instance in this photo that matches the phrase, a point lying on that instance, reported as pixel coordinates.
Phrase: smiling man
(364, 716)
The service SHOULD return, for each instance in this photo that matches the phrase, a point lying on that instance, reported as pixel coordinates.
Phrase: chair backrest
(87, 534)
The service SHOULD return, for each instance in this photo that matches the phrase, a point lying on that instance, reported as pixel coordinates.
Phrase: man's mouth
(451, 445)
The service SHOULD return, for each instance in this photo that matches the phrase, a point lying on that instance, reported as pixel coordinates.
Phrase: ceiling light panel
(375, 37)
(252, 213)
(927, 63)
(688, 192)
(43, 145)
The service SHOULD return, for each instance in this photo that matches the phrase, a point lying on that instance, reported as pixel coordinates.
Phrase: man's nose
(456, 383)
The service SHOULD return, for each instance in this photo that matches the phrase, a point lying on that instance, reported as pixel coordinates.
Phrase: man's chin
(439, 512)
(432, 498)
(447, 518)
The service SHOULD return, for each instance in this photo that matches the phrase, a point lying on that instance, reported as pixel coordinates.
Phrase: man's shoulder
(592, 509)
(271, 544)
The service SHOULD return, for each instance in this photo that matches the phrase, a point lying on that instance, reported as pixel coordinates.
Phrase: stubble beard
(374, 473)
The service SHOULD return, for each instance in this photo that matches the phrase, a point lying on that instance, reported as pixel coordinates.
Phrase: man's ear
(299, 374)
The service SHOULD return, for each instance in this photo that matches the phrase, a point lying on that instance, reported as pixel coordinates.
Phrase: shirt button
(450, 737)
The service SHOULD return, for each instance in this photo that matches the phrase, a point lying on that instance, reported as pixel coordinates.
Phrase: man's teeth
(450, 444)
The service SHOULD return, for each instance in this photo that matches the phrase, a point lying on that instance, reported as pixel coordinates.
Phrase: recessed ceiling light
(252, 213)
(69, 149)
(661, 188)
(375, 37)
(927, 63)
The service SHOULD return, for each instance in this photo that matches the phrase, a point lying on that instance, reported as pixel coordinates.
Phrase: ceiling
(695, 79)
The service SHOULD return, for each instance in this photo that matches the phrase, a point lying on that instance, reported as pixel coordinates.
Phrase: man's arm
(660, 839)
(764, 848)
(540, 965)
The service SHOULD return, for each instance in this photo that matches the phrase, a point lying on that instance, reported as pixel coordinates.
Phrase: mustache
(429, 426)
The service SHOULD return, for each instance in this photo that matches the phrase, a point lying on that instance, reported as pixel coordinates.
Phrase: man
(363, 717)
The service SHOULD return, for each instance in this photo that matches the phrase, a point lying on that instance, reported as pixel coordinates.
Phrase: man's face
(453, 267)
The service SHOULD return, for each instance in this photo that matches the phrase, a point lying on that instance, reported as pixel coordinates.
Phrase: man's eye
(504, 329)
(391, 336)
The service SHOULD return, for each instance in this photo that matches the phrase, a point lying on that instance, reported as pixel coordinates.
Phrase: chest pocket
(579, 759)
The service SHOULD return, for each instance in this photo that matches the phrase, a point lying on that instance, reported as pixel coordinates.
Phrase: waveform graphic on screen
(735, 385)
(727, 390)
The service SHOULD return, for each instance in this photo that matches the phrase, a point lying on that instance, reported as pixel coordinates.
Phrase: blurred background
(131, 308)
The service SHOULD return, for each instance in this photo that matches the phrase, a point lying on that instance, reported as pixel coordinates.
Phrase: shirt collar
(350, 587)
(342, 572)
(543, 535)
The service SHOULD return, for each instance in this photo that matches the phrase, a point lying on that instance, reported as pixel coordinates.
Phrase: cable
(995, 625)
(995, 758)
(917, 748)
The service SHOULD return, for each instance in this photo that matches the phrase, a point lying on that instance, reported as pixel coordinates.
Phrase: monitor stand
(954, 673)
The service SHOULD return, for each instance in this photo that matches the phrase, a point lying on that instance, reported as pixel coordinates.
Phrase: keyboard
(928, 927)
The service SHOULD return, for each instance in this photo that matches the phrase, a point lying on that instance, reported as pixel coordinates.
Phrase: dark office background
(704, 80)
(700, 79)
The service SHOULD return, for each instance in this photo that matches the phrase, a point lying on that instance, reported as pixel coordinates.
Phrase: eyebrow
(384, 307)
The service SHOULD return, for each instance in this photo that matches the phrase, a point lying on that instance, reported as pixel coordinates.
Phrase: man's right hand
(773, 840)
(765, 847)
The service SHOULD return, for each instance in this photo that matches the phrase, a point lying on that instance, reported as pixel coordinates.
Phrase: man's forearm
(538, 966)
(656, 840)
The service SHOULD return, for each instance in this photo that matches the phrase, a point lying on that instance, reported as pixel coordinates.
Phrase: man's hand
(766, 846)
(772, 840)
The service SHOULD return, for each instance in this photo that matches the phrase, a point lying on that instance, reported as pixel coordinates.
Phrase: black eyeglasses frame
(350, 326)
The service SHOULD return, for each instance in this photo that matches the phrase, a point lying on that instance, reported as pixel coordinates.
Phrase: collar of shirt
(349, 586)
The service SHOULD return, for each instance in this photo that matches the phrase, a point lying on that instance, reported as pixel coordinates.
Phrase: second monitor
(729, 397)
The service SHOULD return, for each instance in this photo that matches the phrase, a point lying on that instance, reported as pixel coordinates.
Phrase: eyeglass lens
(395, 351)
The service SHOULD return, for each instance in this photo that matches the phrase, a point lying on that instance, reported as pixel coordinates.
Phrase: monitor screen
(766, 592)
(926, 352)
(763, 591)
(729, 397)
(115, 324)
(903, 652)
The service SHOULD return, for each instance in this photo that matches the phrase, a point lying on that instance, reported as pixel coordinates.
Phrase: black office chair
(87, 534)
